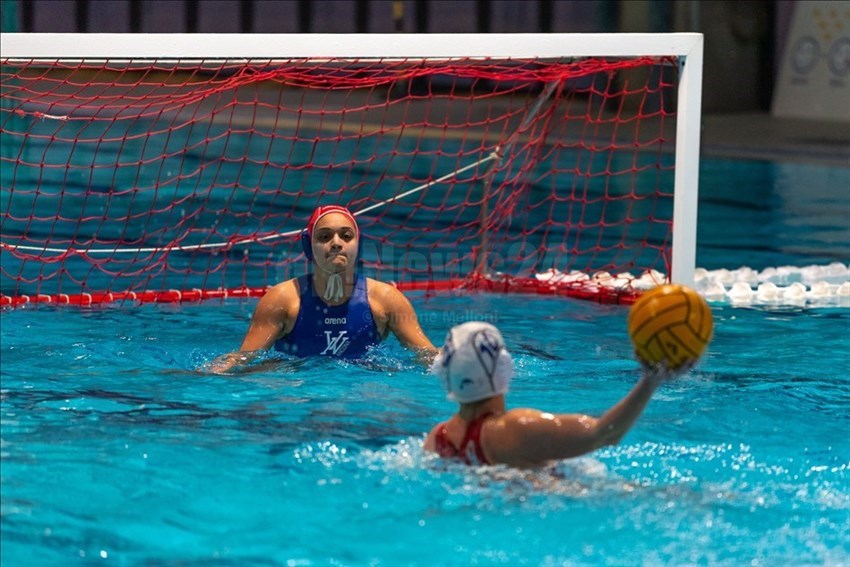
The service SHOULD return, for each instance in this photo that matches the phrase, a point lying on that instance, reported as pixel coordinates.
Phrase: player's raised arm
(475, 368)
(530, 437)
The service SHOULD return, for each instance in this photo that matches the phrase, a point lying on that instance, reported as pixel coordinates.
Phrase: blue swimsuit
(345, 331)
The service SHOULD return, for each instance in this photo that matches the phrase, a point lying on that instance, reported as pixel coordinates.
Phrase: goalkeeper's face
(335, 242)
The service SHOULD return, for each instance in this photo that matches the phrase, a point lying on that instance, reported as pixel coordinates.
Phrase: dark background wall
(743, 38)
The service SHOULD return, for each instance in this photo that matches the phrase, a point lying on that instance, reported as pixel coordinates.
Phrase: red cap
(326, 210)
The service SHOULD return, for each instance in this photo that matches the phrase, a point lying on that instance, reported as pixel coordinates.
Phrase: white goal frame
(687, 47)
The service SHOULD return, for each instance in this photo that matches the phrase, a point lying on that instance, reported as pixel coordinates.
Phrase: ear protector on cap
(307, 244)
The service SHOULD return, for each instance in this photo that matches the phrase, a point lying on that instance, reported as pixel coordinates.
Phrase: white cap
(474, 364)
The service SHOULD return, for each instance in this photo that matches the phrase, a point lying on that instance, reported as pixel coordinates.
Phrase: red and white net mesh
(167, 180)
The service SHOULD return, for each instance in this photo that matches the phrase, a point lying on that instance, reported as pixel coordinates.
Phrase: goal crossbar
(342, 46)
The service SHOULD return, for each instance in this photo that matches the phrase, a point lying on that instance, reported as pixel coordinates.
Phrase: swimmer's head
(474, 364)
(318, 214)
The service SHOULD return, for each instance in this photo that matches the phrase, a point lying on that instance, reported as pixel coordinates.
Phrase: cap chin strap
(333, 288)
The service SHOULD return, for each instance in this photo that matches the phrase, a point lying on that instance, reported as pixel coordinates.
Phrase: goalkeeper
(333, 311)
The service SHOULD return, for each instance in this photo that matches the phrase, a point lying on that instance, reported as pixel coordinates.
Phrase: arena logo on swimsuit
(336, 344)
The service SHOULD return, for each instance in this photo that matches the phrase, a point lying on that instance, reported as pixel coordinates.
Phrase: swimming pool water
(115, 450)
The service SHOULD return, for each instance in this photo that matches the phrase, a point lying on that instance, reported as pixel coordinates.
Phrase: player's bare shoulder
(283, 290)
(385, 296)
(394, 312)
(384, 300)
(283, 298)
(378, 288)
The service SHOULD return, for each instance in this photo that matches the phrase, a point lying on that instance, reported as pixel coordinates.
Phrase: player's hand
(661, 372)
(226, 363)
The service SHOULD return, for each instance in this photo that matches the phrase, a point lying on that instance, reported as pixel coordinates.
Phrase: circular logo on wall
(805, 54)
(839, 56)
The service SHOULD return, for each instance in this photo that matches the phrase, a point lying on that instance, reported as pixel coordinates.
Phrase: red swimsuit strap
(445, 448)
(473, 435)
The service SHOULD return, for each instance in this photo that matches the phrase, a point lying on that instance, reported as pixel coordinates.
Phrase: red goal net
(168, 180)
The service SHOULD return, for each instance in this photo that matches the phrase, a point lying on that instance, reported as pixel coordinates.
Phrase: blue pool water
(116, 451)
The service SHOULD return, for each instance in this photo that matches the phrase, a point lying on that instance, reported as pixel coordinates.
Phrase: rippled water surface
(114, 448)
